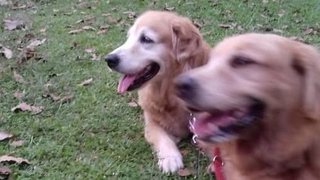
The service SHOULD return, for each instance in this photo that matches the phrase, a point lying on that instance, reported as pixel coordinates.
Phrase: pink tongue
(207, 124)
(124, 83)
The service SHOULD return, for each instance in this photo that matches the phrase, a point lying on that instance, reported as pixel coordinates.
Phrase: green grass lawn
(97, 134)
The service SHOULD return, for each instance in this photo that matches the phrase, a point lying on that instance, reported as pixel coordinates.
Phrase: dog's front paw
(170, 162)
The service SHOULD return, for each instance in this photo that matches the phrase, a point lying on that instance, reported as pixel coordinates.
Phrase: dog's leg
(169, 156)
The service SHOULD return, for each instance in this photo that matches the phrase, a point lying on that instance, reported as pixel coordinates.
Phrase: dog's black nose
(112, 60)
(185, 86)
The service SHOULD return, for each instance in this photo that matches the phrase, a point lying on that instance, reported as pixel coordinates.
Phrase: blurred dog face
(155, 44)
(252, 80)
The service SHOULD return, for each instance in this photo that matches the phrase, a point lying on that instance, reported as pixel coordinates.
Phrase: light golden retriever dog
(160, 46)
(258, 100)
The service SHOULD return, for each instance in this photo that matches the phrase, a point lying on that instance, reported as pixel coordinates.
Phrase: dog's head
(157, 42)
(253, 82)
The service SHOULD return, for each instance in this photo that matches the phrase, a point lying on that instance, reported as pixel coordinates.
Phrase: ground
(95, 133)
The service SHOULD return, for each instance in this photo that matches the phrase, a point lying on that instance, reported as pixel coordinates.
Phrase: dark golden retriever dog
(258, 100)
(160, 46)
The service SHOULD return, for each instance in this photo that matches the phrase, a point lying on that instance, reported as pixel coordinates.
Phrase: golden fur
(285, 75)
(178, 47)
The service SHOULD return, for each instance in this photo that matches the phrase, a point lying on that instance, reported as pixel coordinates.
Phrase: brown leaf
(5, 135)
(36, 42)
(112, 20)
(19, 95)
(131, 14)
(12, 159)
(76, 31)
(66, 98)
(295, 38)
(133, 104)
(54, 97)
(26, 54)
(185, 172)
(86, 82)
(84, 28)
(17, 143)
(90, 50)
(103, 29)
(168, 8)
(26, 107)
(13, 24)
(17, 77)
(4, 2)
(43, 30)
(228, 26)
(197, 24)
(6, 52)
(88, 28)
(5, 171)
(30, 50)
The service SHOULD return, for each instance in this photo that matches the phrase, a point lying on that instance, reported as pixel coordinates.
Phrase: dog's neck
(275, 154)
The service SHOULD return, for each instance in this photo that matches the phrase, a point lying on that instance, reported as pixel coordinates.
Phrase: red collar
(216, 164)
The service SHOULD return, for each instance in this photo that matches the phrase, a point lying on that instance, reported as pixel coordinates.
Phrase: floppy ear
(308, 65)
(186, 39)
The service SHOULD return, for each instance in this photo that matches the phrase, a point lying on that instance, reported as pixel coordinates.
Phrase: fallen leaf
(13, 24)
(131, 14)
(43, 30)
(6, 52)
(66, 98)
(26, 107)
(90, 50)
(169, 8)
(197, 24)
(30, 50)
(26, 54)
(86, 19)
(5, 135)
(133, 104)
(112, 20)
(75, 31)
(228, 26)
(36, 42)
(88, 28)
(185, 172)
(17, 143)
(17, 77)
(4, 3)
(54, 97)
(5, 171)
(295, 38)
(84, 28)
(19, 95)
(105, 14)
(103, 29)
(86, 82)
(12, 159)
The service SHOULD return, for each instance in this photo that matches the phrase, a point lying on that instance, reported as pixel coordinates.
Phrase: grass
(97, 135)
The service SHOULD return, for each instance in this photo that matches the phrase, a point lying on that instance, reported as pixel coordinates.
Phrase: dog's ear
(186, 39)
(307, 63)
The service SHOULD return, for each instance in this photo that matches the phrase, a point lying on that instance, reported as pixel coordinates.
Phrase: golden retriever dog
(160, 46)
(258, 100)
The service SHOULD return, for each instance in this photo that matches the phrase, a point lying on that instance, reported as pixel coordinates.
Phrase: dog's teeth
(194, 138)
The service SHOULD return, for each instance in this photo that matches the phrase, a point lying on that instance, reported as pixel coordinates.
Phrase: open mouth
(129, 82)
(217, 126)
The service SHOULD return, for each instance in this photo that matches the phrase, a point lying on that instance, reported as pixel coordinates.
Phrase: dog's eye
(145, 39)
(239, 61)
